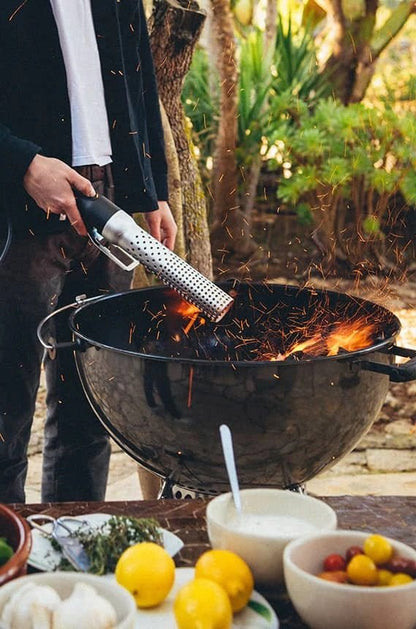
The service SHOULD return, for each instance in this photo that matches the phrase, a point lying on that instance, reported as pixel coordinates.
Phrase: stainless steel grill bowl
(162, 394)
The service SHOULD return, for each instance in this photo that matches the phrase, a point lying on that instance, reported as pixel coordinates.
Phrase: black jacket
(35, 110)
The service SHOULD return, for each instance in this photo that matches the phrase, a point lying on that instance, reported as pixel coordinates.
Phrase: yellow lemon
(202, 604)
(147, 571)
(230, 571)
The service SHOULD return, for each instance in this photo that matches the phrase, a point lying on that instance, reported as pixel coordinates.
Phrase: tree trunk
(174, 180)
(270, 24)
(253, 173)
(175, 29)
(357, 44)
(230, 233)
(140, 275)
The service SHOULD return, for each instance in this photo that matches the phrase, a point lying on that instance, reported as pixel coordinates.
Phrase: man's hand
(162, 225)
(49, 182)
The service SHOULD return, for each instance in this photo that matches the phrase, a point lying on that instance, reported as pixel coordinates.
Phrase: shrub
(346, 164)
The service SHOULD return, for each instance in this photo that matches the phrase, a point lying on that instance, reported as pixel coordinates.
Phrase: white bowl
(64, 582)
(270, 519)
(326, 605)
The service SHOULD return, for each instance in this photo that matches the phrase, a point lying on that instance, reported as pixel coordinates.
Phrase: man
(78, 110)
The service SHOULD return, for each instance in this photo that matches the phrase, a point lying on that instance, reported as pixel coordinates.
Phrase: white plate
(257, 615)
(44, 557)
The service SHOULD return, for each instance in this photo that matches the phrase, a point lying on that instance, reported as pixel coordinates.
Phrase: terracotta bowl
(17, 532)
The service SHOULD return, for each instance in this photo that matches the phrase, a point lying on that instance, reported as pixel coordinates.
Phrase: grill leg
(170, 489)
(166, 489)
(298, 488)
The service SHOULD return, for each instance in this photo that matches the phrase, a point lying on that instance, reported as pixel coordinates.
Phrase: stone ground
(383, 463)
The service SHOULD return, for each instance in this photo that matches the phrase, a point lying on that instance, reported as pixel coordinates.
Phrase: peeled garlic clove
(18, 611)
(12, 606)
(42, 616)
(84, 609)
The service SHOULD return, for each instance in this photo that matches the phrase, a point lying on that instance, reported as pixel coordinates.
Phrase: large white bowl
(64, 582)
(279, 515)
(326, 605)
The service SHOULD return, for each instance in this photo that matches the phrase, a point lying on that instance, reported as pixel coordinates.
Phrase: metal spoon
(227, 448)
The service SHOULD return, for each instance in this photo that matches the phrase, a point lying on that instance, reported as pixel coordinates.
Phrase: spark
(17, 10)
(131, 332)
(191, 377)
(191, 322)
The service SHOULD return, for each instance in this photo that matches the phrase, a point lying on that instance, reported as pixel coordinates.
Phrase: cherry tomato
(400, 579)
(411, 568)
(352, 551)
(334, 562)
(378, 548)
(384, 576)
(337, 576)
(362, 570)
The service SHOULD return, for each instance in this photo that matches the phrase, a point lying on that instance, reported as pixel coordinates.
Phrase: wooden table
(394, 516)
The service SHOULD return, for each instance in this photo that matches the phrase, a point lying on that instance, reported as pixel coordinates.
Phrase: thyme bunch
(105, 544)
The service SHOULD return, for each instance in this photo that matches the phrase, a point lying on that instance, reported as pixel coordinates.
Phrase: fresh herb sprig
(105, 544)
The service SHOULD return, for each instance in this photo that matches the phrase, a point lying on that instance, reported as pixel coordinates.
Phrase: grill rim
(382, 345)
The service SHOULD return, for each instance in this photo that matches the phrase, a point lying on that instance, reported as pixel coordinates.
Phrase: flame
(189, 311)
(348, 336)
(351, 337)
(186, 309)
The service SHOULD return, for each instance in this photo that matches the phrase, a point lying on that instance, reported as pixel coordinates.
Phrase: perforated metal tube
(121, 229)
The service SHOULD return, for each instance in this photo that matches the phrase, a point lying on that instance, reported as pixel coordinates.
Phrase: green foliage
(304, 214)
(255, 90)
(264, 76)
(201, 101)
(408, 187)
(296, 68)
(352, 152)
(371, 225)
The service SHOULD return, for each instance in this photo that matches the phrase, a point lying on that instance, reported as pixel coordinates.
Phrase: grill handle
(50, 344)
(397, 373)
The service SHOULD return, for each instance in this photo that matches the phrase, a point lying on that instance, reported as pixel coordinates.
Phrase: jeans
(38, 275)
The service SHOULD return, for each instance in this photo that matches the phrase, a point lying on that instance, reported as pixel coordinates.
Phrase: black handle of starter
(95, 211)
